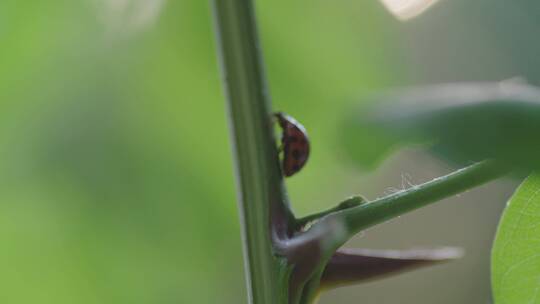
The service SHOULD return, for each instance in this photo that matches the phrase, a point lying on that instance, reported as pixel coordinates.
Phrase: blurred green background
(116, 180)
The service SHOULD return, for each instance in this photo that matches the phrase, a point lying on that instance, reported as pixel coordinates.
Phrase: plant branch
(353, 220)
(381, 210)
(260, 185)
(353, 201)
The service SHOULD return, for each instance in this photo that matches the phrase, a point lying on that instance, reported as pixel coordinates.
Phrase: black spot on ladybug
(296, 154)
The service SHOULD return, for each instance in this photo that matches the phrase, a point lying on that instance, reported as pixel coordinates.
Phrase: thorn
(352, 266)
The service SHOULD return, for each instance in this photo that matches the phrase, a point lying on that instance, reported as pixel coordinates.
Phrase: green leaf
(516, 251)
(460, 122)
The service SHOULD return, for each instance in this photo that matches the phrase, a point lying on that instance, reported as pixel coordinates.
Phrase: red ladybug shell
(295, 144)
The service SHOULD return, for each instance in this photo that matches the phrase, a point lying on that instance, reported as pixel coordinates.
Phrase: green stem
(348, 203)
(348, 222)
(383, 209)
(260, 185)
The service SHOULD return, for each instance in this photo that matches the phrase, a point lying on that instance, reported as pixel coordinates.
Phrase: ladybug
(294, 142)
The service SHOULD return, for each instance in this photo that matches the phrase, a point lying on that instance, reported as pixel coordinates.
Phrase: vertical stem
(259, 181)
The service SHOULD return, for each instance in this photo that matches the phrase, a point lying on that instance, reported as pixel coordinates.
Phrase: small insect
(295, 144)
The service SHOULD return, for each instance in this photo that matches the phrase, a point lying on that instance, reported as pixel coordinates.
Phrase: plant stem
(344, 224)
(260, 185)
(348, 203)
(381, 210)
